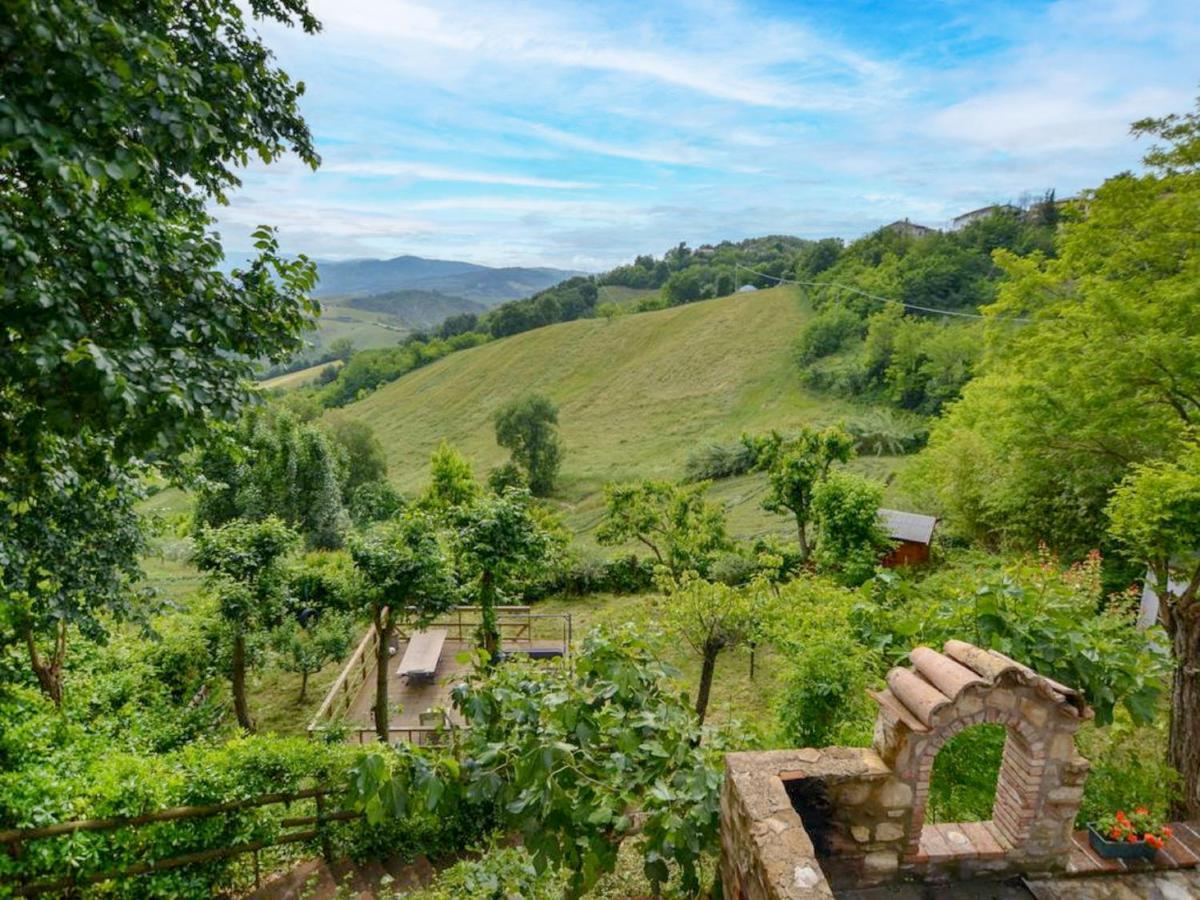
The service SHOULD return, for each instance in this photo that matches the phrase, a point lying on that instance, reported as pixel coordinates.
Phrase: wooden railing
(349, 682)
(462, 623)
(519, 627)
(420, 735)
(295, 829)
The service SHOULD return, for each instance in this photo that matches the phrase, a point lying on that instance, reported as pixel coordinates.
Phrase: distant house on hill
(910, 229)
(960, 222)
(746, 289)
(913, 534)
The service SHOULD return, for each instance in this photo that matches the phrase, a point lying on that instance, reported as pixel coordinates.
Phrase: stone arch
(1039, 785)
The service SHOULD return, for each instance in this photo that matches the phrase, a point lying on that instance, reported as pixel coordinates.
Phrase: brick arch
(1039, 785)
(1022, 765)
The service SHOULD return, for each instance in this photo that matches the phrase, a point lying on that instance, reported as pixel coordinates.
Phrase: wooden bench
(422, 654)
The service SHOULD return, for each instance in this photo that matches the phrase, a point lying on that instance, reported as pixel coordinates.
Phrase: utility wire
(854, 290)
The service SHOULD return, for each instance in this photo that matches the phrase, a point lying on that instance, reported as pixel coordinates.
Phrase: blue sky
(580, 134)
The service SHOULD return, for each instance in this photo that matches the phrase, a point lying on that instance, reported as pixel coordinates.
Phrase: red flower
(1120, 815)
(1131, 839)
(1167, 832)
(1141, 810)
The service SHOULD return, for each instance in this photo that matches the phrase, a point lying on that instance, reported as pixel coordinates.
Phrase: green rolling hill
(635, 394)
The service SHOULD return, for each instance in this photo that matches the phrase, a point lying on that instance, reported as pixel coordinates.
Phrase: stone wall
(865, 808)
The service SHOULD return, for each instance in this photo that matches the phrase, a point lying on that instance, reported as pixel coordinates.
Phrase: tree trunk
(240, 709)
(303, 685)
(1184, 749)
(706, 679)
(489, 629)
(48, 671)
(383, 630)
(803, 533)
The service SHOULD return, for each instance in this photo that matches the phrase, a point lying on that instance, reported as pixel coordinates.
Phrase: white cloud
(725, 55)
(427, 172)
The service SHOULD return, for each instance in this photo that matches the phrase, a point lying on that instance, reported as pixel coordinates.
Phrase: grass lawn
(735, 697)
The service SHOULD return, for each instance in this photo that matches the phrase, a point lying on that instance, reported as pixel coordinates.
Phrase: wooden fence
(359, 667)
(295, 829)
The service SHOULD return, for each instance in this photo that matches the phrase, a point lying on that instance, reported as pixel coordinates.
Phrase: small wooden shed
(913, 534)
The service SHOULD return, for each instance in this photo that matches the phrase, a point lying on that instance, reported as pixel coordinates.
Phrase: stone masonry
(871, 808)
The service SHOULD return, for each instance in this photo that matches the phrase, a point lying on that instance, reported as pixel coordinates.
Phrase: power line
(854, 290)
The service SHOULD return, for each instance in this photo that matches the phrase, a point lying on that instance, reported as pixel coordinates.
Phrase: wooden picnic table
(421, 656)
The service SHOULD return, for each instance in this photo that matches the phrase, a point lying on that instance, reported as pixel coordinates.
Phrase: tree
(1102, 377)
(242, 561)
(452, 484)
(679, 526)
(362, 457)
(69, 563)
(1155, 515)
(816, 257)
(499, 543)
(404, 569)
(375, 501)
(123, 340)
(306, 649)
(528, 426)
(274, 465)
(795, 466)
(711, 618)
(850, 539)
(685, 286)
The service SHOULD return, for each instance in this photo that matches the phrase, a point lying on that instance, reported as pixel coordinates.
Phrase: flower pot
(1119, 849)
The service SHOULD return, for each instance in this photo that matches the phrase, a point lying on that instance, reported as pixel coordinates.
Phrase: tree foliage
(243, 562)
(712, 618)
(569, 756)
(405, 573)
(452, 483)
(675, 522)
(528, 427)
(795, 466)
(306, 649)
(850, 538)
(1155, 516)
(122, 341)
(500, 544)
(1101, 379)
(273, 464)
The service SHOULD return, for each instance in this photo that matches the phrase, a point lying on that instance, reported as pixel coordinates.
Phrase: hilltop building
(910, 229)
(960, 222)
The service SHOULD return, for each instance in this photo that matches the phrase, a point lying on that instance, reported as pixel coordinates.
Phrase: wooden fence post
(326, 847)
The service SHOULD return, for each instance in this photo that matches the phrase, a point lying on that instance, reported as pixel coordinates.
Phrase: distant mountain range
(485, 284)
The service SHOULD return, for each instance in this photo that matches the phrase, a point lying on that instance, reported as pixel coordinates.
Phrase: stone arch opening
(1022, 764)
(962, 783)
(1039, 784)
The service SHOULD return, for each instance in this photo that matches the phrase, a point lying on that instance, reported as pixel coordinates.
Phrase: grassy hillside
(635, 394)
(366, 328)
(298, 378)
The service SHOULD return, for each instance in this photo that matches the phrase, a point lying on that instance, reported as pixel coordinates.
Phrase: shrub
(500, 873)
(885, 432)
(718, 461)
(375, 501)
(827, 333)
(588, 575)
(824, 700)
